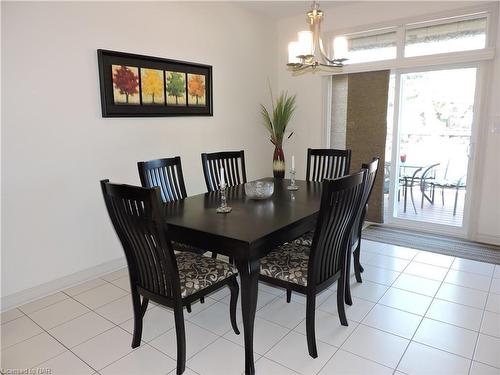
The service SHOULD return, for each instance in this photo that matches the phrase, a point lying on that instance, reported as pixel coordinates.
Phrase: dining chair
(323, 163)
(233, 163)
(167, 175)
(371, 174)
(327, 163)
(306, 240)
(311, 270)
(156, 272)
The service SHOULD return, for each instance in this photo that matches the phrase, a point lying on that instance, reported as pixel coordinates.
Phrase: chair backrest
(137, 216)
(233, 163)
(327, 163)
(166, 174)
(429, 173)
(340, 203)
(371, 174)
(414, 176)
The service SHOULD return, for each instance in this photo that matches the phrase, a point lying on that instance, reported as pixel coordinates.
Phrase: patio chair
(409, 182)
(447, 182)
(426, 184)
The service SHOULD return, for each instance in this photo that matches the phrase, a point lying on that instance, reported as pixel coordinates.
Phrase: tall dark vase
(278, 162)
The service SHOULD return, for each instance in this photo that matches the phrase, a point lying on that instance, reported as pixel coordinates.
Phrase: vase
(278, 162)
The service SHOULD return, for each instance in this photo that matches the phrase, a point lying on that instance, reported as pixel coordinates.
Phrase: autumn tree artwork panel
(152, 87)
(133, 85)
(196, 90)
(125, 85)
(176, 88)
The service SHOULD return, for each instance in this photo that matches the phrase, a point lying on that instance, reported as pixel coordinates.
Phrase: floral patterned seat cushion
(185, 247)
(197, 272)
(306, 239)
(289, 262)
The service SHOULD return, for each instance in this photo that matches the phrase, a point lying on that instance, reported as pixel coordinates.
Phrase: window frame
(490, 11)
(445, 21)
(368, 33)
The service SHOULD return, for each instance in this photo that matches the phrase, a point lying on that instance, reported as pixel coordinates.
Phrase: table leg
(249, 275)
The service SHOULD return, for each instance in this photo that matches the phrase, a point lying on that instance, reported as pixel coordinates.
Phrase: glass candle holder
(223, 208)
(293, 185)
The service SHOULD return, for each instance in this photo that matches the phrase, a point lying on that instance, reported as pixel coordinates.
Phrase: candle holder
(223, 208)
(292, 185)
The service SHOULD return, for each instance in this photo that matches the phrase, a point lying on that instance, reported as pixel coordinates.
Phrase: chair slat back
(233, 163)
(371, 174)
(166, 174)
(136, 214)
(327, 163)
(340, 203)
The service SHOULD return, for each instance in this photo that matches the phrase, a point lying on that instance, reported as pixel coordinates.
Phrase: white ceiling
(285, 8)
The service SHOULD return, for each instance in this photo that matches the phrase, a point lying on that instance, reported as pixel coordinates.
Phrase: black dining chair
(156, 272)
(323, 163)
(371, 174)
(311, 270)
(306, 239)
(327, 163)
(233, 163)
(167, 175)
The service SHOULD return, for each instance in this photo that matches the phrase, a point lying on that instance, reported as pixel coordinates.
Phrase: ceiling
(282, 9)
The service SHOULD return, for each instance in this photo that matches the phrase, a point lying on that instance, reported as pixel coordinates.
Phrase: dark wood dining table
(246, 234)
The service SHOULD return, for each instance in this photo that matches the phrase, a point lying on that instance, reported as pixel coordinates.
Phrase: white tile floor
(415, 313)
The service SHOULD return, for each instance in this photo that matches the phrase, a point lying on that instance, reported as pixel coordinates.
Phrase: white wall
(309, 121)
(56, 147)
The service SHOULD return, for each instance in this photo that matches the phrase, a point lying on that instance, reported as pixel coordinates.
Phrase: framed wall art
(144, 86)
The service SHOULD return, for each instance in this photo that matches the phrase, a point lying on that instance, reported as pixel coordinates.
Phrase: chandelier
(307, 53)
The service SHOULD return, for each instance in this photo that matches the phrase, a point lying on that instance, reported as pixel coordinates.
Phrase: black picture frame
(124, 102)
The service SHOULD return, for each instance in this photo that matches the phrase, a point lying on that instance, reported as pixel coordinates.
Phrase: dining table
(251, 230)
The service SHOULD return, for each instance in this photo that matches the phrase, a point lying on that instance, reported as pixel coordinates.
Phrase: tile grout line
(141, 345)
(359, 323)
(375, 304)
(423, 317)
(480, 325)
(339, 347)
(63, 345)
(433, 296)
(268, 303)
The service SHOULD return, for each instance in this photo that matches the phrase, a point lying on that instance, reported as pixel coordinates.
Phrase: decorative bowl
(259, 189)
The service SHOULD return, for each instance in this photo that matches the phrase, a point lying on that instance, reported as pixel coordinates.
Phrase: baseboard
(43, 290)
(487, 238)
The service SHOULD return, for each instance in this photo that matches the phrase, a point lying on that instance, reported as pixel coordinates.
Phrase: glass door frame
(462, 231)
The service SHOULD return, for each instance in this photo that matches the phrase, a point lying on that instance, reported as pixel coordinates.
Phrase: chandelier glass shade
(307, 52)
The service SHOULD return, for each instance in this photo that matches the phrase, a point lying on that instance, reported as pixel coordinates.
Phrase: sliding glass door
(429, 146)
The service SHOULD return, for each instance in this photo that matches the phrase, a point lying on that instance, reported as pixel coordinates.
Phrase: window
(372, 47)
(453, 34)
(450, 37)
